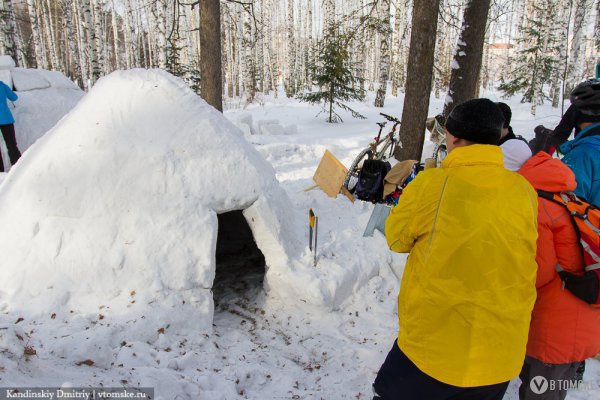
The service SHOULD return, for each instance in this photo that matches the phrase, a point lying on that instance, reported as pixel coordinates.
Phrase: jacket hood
(547, 173)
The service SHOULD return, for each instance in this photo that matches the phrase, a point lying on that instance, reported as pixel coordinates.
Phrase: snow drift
(44, 98)
(114, 211)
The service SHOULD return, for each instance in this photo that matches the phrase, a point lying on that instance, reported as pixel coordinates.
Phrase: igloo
(114, 210)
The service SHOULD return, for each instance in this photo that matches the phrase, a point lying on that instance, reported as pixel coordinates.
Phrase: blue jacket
(582, 155)
(6, 93)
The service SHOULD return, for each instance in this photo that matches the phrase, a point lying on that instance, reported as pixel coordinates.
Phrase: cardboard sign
(330, 174)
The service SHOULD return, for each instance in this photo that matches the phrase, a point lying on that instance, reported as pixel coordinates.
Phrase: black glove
(584, 287)
(542, 140)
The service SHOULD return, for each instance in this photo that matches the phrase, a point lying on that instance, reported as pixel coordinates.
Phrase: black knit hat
(506, 112)
(478, 121)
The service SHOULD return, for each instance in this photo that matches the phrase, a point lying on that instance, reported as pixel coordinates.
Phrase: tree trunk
(160, 11)
(418, 83)
(210, 53)
(290, 86)
(384, 53)
(577, 58)
(468, 56)
(40, 56)
(248, 61)
(8, 30)
(99, 31)
(597, 28)
(74, 67)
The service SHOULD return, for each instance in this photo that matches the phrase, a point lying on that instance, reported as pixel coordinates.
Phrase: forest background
(538, 49)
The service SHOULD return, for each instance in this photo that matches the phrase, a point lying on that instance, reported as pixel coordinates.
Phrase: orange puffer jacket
(563, 328)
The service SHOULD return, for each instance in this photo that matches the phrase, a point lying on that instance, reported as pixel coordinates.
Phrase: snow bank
(6, 62)
(44, 98)
(114, 211)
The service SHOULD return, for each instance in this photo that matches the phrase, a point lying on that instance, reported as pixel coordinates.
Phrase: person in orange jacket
(564, 329)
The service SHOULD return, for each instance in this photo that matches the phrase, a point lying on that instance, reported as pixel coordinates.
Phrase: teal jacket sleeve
(12, 96)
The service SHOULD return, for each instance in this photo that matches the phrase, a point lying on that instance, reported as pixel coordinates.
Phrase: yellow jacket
(469, 283)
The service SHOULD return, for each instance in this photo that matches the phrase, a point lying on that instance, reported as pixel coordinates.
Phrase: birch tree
(8, 30)
(36, 35)
(248, 63)
(160, 14)
(384, 51)
(73, 68)
(290, 85)
(577, 56)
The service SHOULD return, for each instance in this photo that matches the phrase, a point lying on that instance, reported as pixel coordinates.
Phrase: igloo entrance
(240, 265)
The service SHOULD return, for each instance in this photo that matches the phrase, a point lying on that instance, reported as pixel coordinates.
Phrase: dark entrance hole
(240, 268)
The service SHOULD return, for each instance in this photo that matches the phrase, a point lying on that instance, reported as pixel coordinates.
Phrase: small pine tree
(535, 63)
(332, 73)
(189, 73)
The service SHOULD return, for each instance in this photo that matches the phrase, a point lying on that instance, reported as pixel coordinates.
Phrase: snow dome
(114, 211)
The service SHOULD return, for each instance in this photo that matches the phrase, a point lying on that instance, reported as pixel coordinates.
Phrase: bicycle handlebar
(390, 118)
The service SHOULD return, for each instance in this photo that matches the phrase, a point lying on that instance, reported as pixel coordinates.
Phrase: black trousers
(400, 379)
(8, 132)
(550, 381)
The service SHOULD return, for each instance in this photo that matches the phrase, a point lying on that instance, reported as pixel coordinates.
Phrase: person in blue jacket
(582, 154)
(7, 125)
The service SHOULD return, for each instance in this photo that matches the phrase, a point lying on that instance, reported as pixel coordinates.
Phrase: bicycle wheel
(352, 176)
(439, 153)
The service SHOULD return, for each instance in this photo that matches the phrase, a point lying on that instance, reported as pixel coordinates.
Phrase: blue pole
(598, 69)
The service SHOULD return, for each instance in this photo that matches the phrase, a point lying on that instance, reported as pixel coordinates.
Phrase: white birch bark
(8, 31)
(248, 61)
(290, 84)
(384, 53)
(40, 56)
(577, 57)
(597, 28)
(160, 11)
(309, 44)
(81, 43)
(74, 66)
(98, 19)
(127, 34)
(90, 35)
(115, 32)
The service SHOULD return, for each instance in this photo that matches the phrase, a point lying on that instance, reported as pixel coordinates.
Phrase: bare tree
(8, 30)
(577, 56)
(290, 84)
(40, 53)
(418, 83)
(384, 51)
(468, 55)
(210, 53)
(249, 67)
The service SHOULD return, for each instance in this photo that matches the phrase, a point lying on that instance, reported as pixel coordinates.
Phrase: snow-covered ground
(271, 344)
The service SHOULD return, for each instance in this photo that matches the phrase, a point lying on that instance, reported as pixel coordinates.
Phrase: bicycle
(376, 150)
(435, 126)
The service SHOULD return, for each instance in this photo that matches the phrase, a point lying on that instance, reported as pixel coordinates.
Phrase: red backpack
(586, 221)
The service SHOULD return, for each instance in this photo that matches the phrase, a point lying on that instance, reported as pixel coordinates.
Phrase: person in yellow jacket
(468, 286)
